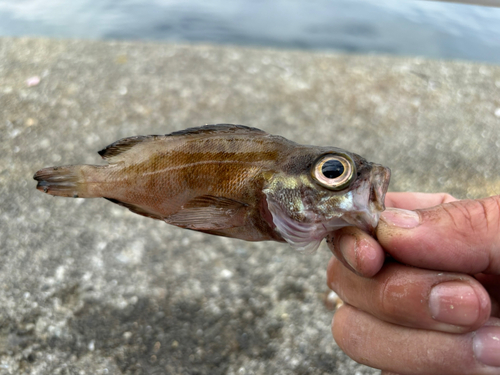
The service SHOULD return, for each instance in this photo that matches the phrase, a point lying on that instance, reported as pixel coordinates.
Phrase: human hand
(433, 307)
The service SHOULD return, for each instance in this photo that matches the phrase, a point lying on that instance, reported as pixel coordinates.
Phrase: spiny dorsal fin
(125, 144)
(122, 145)
(217, 129)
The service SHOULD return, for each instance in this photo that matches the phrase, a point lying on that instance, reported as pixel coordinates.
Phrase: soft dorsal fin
(125, 144)
(217, 129)
(122, 145)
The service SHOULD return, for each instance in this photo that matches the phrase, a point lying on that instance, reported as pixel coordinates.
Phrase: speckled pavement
(86, 287)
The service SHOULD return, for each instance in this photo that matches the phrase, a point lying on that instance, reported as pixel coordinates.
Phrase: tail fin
(63, 181)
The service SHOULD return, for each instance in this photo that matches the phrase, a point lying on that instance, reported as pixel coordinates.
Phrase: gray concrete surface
(86, 287)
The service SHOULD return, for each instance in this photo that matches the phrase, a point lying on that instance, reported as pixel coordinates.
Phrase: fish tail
(65, 181)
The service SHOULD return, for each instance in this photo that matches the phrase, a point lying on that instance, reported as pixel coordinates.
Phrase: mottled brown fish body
(163, 174)
(216, 179)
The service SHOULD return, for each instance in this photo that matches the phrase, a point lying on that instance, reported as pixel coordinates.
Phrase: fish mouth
(369, 200)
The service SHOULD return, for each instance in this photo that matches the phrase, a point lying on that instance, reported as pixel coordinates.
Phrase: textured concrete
(86, 287)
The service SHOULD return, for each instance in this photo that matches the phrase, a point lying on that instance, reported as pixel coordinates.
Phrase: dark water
(396, 27)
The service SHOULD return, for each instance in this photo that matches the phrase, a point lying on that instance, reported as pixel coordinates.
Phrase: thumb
(461, 236)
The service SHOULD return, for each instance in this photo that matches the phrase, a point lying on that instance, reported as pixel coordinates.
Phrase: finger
(461, 236)
(358, 251)
(415, 201)
(404, 350)
(414, 297)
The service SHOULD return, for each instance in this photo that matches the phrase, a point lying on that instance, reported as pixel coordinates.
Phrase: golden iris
(334, 172)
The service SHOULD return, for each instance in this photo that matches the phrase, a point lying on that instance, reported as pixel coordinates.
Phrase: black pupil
(332, 169)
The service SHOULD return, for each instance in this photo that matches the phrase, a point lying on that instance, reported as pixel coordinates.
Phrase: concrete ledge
(89, 288)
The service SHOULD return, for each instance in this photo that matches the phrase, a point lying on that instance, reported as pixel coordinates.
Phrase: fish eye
(334, 172)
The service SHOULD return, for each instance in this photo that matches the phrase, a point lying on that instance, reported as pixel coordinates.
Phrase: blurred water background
(395, 27)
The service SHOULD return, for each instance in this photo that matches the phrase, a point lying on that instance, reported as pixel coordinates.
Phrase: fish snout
(369, 200)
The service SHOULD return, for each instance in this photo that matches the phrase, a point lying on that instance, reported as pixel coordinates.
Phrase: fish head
(318, 190)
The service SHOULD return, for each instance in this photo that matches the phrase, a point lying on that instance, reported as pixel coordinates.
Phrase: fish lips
(369, 200)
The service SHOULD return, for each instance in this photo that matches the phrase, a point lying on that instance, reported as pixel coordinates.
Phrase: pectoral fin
(209, 212)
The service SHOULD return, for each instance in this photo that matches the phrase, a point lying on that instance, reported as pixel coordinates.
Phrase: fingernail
(347, 246)
(486, 345)
(400, 218)
(454, 302)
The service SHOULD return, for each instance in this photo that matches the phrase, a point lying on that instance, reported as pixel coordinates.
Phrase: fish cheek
(330, 204)
(285, 192)
(296, 223)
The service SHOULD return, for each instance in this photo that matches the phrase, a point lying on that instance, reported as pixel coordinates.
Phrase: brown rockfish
(233, 181)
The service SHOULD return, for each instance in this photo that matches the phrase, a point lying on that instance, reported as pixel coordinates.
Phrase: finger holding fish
(415, 301)
(357, 251)
(361, 252)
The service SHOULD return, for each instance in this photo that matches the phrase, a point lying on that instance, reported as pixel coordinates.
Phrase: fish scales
(171, 174)
(232, 181)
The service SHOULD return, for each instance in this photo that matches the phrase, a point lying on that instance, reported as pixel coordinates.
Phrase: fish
(234, 181)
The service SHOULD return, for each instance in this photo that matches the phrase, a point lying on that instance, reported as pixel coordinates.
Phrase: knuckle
(474, 217)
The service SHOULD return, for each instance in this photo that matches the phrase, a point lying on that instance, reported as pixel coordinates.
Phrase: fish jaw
(368, 200)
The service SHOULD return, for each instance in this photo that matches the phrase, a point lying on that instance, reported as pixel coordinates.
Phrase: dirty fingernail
(400, 218)
(486, 345)
(347, 246)
(454, 302)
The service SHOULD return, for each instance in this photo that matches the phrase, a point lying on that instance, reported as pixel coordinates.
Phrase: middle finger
(414, 297)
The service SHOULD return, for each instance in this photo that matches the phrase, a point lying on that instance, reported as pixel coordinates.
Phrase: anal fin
(135, 209)
(208, 212)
